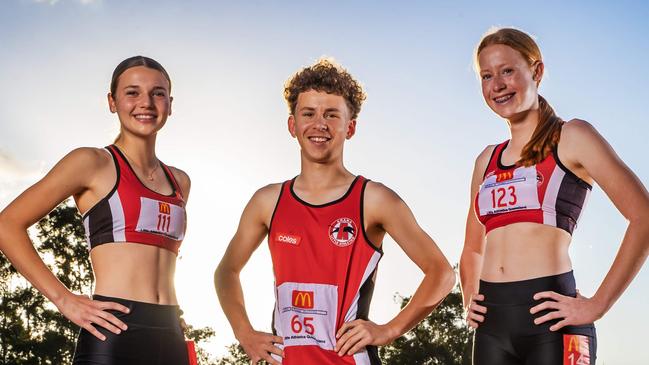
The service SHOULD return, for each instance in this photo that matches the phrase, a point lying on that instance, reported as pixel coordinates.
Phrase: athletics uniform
(131, 212)
(324, 268)
(545, 193)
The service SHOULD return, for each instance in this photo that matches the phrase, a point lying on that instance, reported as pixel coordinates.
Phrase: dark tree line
(32, 331)
(440, 339)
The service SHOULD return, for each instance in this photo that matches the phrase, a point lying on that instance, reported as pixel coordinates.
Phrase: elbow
(218, 275)
(444, 276)
(222, 274)
(638, 214)
(639, 220)
(448, 279)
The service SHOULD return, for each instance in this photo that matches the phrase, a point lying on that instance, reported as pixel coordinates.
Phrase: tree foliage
(236, 356)
(441, 339)
(32, 331)
(199, 335)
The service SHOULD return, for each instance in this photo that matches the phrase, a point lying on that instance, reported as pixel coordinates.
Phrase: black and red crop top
(545, 193)
(131, 212)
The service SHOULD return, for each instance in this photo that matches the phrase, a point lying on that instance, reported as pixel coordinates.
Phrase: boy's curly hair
(328, 76)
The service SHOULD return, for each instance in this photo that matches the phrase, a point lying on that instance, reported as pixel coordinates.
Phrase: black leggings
(153, 337)
(508, 335)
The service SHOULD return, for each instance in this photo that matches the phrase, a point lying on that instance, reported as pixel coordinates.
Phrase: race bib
(576, 350)
(508, 191)
(161, 218)
(307, 314)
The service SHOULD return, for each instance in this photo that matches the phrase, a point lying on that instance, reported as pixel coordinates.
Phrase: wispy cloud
(54, 2)
(15, 176)
(50, 2)
(10, 167)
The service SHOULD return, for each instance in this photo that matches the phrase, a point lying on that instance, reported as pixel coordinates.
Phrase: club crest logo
(539, 178)
(342, 232)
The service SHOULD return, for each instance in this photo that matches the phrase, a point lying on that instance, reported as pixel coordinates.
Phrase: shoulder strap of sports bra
(493, 160)
(113, 151)
(172, 179)
(119, 158)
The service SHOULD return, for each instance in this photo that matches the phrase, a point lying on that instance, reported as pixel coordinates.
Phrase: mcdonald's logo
(164, 208)
(303, 299)
(576, 350)
(504, 176)
(573, 343)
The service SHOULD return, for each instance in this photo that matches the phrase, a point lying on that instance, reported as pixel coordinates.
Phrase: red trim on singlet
(321, 244)
(552, 204)
(130, 190)
(115, 218)
(494, 221)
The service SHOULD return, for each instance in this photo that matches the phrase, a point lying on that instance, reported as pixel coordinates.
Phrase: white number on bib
(306, 314)
(161, 218)
(513, 190)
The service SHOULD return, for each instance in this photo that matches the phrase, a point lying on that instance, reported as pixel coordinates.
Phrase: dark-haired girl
(134, 216)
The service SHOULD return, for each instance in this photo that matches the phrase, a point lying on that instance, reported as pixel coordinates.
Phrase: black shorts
(153, 337)
(508, 335)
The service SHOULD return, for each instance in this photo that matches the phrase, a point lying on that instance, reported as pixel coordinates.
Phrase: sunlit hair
(134, 62)
(328, 76)
(548, 130)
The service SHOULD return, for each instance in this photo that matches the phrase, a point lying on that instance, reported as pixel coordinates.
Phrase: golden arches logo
(303, 299)
(574, 341)
(505, 176)
(164, 208)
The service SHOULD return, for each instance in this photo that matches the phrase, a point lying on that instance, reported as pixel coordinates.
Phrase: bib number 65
(305, 324)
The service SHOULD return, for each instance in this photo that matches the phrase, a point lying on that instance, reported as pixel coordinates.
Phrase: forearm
(230, 293)
(628, 261)
(433, 289)
(470, 269)
(16, 245)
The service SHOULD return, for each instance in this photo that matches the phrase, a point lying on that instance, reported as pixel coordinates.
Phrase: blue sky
(419, 131)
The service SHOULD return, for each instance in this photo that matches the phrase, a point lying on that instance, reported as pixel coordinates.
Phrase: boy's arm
(252, 229)
(385, 210)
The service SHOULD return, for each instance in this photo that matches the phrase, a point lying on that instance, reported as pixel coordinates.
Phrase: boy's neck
(318, 177)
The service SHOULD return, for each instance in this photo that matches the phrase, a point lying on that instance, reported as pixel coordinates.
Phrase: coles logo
(342, 232)
(288, 238)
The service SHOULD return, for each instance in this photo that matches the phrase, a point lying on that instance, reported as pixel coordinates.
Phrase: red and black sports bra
(131, 212)
(545, 193)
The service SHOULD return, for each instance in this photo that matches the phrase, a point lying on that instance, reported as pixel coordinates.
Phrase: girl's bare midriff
(134, 271)
(523, 251)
